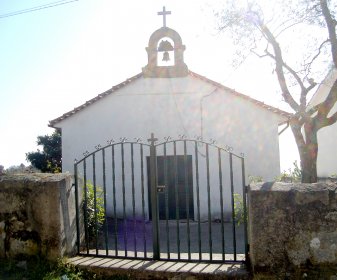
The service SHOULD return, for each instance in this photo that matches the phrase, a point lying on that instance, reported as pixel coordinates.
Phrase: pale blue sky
(55, 59)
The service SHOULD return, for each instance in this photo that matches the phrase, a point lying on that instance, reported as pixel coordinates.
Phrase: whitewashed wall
(327, 148)
(171, 107)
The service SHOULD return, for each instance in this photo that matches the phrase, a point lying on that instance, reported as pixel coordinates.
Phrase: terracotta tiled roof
(52, 123)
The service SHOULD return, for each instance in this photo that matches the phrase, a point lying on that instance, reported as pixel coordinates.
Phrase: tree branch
(331, 25)
(307, 65)
(325, 107)
(287, 27)
(296, 129)
(279, 68)
(312, 85)
(332, 119)
(313, 110)
(304, 90)
(293, 72)
(258, 55)
(324, 121)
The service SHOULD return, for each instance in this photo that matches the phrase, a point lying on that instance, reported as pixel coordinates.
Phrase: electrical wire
(37, 8)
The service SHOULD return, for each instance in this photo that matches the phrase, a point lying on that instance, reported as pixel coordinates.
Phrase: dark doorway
(175, 187)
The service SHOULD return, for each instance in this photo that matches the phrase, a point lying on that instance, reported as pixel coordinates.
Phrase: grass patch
(40, 269)
(37, 268)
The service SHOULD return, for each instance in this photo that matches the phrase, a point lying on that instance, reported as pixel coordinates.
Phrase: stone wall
(292, 226)
(37, 215)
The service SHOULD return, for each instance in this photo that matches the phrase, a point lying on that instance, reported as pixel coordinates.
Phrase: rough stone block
(37, 215)
(292, 225)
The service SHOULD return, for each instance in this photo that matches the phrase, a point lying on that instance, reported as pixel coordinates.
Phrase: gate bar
(77, 209)
(133, 200)
(114, 196)
(245, 210)
(187, 202)
(105, 211)
(153, 174)
(95, 200)
(124, 212)
(209, 205)
(166, 190)
(221, 206)
(232, 197)
(143, 200)
(86, 233)
(198, 197)
(176, 194)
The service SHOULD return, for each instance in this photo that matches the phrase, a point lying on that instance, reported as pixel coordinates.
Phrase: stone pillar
(292, 226)
(37, 215)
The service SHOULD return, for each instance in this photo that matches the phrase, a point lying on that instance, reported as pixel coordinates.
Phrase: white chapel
(171, 101)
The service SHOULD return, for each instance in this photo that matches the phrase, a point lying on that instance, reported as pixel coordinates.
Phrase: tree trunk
(308, 150)
(309, 165)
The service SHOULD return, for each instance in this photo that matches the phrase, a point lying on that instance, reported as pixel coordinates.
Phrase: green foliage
(50, 159)
(37, 268)
(62, 270)
(254, 179)
(90, 211)
(291, 175)
(239, 211)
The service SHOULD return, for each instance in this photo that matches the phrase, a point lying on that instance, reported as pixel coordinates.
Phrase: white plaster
(327, 155)
(171, 107)
(327, 149)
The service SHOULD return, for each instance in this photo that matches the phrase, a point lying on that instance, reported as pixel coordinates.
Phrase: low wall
(292, 226)
(37, 215)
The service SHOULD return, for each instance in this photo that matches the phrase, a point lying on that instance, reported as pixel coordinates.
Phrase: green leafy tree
(50, 159)
(299, 39)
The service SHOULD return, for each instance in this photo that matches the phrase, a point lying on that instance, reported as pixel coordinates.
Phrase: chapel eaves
(128, 81)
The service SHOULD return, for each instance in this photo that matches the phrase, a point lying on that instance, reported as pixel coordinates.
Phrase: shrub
(90, 209)
(291, 175)
(39, 268)
(239, 211)
(254, 179)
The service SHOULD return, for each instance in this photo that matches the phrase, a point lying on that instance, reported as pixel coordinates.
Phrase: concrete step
(145, 269)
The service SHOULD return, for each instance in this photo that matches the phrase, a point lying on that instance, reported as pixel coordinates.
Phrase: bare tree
(273, 25)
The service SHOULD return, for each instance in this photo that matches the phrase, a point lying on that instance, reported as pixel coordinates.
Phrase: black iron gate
(180, 199)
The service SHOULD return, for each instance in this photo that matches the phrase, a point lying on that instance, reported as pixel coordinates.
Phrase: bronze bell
(165, 46)
(166, 56)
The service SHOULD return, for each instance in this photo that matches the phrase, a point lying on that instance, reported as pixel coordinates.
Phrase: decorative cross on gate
(152, 140)
(164, 13)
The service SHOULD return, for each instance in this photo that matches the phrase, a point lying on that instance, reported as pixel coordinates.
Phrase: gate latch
(161, 189)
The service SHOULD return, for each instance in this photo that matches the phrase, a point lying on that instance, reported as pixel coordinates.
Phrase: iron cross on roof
(164, 13)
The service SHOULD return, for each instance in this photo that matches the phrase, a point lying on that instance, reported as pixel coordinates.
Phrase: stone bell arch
(159, 44)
